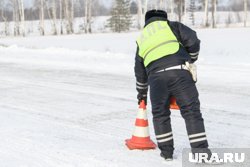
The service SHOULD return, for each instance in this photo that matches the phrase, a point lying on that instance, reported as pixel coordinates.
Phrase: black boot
(167, 152)
(167, 157)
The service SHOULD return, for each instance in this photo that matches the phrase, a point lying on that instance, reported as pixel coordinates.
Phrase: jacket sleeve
(140, 74)
(189, 40)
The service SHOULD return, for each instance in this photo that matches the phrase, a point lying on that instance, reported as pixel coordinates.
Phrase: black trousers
(177, 83)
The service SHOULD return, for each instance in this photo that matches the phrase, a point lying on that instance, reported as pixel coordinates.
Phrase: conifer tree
(192, 10)
(121, 18)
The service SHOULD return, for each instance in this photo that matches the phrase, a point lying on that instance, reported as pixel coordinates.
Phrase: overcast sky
(27, 2)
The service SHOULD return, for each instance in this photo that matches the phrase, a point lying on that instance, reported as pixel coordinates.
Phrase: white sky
(28, 2)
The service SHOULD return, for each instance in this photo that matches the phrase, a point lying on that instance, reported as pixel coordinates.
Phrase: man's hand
(141, 97)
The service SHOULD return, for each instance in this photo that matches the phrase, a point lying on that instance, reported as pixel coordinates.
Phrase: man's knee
(190, 107)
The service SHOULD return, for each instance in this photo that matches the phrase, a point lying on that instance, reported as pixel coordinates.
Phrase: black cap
(155, 13)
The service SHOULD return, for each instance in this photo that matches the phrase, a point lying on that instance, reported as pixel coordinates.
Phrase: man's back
(189, 44)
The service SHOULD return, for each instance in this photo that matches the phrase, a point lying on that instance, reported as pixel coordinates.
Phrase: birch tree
(139, 14)
(54, 17)
(69, 15)
(60, 17)
(6, 23)
(192, 9)
(172, 8)
(15, 17)
(185, 11)
(21, 16)
(86, 21)
(88, 15)
(145, 7)
(164, 3)
(51, 9)
(41, 11)
(156, 4)
(206, 13)
(181, 6)
(214, 7)
(66, 14)
(245, 10)
(160, 4)
(72, 17)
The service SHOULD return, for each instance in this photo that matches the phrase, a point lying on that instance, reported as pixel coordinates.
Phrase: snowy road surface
(65, 106)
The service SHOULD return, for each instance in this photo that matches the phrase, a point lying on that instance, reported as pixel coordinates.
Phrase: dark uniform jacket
(189, 50)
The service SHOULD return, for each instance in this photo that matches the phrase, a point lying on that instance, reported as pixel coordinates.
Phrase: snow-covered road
(71, 107)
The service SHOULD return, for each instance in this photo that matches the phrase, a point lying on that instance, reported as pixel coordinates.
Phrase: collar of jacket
(152, 19)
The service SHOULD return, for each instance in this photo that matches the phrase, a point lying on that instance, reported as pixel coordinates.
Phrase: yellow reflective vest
(157, 40)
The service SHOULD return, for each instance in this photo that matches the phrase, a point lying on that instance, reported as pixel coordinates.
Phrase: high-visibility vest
(157, 40)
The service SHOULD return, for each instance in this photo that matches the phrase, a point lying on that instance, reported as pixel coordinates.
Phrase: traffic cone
(140, 138)
(173, 104)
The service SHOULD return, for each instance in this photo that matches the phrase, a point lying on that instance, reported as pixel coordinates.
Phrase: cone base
(132, 145)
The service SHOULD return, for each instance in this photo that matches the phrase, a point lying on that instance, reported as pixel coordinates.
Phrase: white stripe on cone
(141, 131)
(142, 114)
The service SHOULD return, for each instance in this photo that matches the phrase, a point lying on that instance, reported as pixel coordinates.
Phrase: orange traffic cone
(173, 104)
(140, 138)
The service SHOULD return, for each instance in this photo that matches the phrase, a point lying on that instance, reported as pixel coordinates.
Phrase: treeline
(185, 9)
(62, 13)
(54, 10)
(32, 13)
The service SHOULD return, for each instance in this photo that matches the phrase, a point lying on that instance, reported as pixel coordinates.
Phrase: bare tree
(42, 27)
(206, 13)
(191, 10)
(54, 17)
(21, 17)
(6, 23)
(88, 15)
(214, 7)
(72, 17)
(51, 9)
(69, 15)
(139, 14)
(172, 8)
(145, 8)
(181, 7)
(86, 21)
(185, 10)
(60, 15)
(245, 10)
(161, 4)
(15, 17)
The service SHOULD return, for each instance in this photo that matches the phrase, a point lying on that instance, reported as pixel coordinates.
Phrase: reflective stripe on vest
(156, 41)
